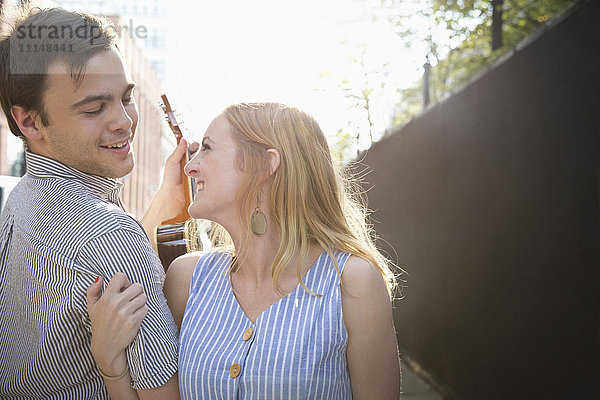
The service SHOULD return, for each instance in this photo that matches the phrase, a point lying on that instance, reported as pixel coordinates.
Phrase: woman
(295, 303)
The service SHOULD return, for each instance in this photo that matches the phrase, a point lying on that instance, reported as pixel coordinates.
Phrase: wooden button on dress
(247, 334)
(235, 370)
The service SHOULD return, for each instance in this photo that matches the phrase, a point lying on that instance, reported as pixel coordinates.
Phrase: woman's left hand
(116, 317)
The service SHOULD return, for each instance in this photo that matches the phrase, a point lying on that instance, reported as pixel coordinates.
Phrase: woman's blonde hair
(310, 201)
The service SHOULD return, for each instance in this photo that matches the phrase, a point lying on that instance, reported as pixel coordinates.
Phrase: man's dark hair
(39, 39)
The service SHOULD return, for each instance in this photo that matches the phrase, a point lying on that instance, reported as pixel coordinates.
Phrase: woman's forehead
(220, 129)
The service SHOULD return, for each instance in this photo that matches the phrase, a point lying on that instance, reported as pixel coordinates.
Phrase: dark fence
(491, 202)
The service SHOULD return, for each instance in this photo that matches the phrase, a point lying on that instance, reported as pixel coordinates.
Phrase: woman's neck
(260, 251)
(256, 256)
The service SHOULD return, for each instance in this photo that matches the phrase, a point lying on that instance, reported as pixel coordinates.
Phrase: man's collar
(39, 166)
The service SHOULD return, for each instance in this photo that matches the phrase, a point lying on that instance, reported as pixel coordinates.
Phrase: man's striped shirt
(60, 229)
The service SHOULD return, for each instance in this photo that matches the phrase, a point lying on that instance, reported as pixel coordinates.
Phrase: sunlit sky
(295, 52)
(289, 51)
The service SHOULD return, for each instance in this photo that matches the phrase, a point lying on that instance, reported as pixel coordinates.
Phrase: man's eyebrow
(90, 99)
(207, 138)
(129, 87)
(99, 97)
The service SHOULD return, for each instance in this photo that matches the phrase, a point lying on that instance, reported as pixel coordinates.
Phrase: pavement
(415, 387)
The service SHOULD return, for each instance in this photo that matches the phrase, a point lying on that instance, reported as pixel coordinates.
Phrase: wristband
(113, 378)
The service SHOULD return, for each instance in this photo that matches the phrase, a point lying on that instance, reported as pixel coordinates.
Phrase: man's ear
(28, 122)
(274, 160)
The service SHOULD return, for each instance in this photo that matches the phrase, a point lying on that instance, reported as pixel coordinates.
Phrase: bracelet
(113, 378)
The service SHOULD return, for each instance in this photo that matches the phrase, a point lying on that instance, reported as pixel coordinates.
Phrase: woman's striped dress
(295, 350)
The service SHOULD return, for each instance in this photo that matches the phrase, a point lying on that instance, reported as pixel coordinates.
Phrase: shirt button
(247, 334)
(235, 370)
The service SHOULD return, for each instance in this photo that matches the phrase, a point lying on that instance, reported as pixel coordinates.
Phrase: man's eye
(204, 147)
(96, 111)
(128, 100)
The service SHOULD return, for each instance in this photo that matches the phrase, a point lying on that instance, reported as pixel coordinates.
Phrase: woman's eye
(127, 100)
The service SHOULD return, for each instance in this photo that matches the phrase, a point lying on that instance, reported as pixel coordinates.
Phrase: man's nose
(121, 120)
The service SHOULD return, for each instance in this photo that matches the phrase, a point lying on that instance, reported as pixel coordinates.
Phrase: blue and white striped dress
(295, 350)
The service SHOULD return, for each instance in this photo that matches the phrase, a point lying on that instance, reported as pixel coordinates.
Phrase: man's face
(91, 126)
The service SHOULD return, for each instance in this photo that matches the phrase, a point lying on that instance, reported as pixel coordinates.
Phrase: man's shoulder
(68, 207)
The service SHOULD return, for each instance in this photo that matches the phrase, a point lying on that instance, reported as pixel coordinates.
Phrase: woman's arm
(117, 314)
(177, 284)
(372, 350)
(116, 317)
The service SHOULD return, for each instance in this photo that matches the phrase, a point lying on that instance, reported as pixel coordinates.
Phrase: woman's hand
(169, 199)
(172, 179)
(170, 195)
(116, 317)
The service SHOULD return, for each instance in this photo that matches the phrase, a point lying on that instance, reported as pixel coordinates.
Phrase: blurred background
(473, 125)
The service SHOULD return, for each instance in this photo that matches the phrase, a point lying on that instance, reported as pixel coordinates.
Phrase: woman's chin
(194, 213)
(198, 213)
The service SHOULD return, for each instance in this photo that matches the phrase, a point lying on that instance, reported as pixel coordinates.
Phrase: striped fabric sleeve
(152, 356)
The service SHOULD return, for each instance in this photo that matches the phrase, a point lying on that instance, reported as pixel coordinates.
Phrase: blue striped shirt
(296, 349)
(60, 229)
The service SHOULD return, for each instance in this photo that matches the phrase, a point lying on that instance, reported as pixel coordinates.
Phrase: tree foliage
(458, 38)
(361, 92)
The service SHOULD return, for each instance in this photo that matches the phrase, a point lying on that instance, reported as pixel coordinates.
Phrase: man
(64, 226)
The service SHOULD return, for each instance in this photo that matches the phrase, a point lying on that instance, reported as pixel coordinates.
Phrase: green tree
(360, 92)
(458, 36)
(343, 147)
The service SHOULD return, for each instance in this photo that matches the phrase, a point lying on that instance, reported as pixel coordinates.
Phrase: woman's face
(216, 173)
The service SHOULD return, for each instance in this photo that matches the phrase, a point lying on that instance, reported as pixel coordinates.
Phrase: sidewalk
(415, 388)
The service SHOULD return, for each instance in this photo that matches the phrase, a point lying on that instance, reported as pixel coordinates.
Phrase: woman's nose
(191, 168)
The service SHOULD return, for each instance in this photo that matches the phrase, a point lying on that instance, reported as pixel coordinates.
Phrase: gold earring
(258, 221)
